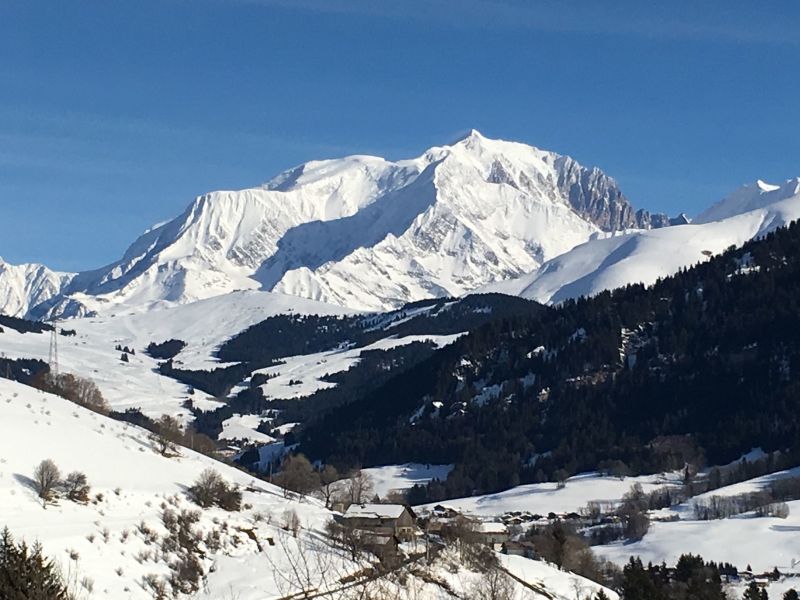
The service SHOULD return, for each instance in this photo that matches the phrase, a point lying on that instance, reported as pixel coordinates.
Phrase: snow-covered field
(402, 477)
(243, 427)
(543, 498)
(564, 584)
(762, 542)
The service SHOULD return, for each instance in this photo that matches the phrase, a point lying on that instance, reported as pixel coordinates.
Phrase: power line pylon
(53, 357)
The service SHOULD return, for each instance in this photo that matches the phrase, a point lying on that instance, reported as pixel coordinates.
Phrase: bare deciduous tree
(79, 390)
(76, 485)
(297, 475)
(494, 584)
(359, 487)
(211, 489)
(46, 478)
(327, 480)
(167, 435)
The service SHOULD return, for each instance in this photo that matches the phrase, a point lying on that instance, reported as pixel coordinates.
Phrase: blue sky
(114, 115)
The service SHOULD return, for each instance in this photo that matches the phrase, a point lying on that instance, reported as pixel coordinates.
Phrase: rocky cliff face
(597, 197)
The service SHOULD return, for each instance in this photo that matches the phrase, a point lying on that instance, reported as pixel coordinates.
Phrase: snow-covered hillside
(204, 325)
(124, 539)
(361, 231)
(107, 539)
(644, 256)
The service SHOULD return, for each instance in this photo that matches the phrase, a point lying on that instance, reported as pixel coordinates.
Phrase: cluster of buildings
(383, 528)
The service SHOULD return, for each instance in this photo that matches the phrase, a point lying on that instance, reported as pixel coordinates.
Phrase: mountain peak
(766, 187)
(470, 139)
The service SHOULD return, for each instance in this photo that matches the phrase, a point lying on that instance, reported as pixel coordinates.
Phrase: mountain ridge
(444, 223)
(750, 212)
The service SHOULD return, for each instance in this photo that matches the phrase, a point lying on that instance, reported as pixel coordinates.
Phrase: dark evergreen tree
(25, 574)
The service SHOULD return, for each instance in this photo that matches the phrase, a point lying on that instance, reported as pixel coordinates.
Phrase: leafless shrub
(76, 486)
(211, 489)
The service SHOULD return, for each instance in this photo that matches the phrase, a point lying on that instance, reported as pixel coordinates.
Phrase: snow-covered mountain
(644, 256)
(25, 286)
(363, 232)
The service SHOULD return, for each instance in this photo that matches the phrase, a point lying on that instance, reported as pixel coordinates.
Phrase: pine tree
(25, 574)
(753, 592)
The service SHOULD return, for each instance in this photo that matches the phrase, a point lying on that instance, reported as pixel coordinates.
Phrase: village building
(382, 520)
(492, 534)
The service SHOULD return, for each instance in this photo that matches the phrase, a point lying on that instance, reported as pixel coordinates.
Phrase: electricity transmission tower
(53, 357)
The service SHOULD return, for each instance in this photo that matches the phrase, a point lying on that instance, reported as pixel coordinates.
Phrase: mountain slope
(140, 527)
(703, 363)
(494, 210)
(644, 256)
(363, 232)
(106, 540)
(749, 197)
(24, 286)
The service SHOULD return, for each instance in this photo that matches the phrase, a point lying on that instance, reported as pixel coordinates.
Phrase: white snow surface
(563, 584)
(762, 542)
(543, 498)
(749, 197)
(24, 286)
(131, 485)
(402, 477)
(243, 427)
(643, 256)
(135, 482)
(770, 541)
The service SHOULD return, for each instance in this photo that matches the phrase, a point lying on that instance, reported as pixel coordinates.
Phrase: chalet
(492, 534)
(382, 520)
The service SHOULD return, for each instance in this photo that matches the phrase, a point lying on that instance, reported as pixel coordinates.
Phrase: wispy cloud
(729, 21)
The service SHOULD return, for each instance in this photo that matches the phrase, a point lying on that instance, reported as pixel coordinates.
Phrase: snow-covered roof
(375, 511)
(492, 527)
